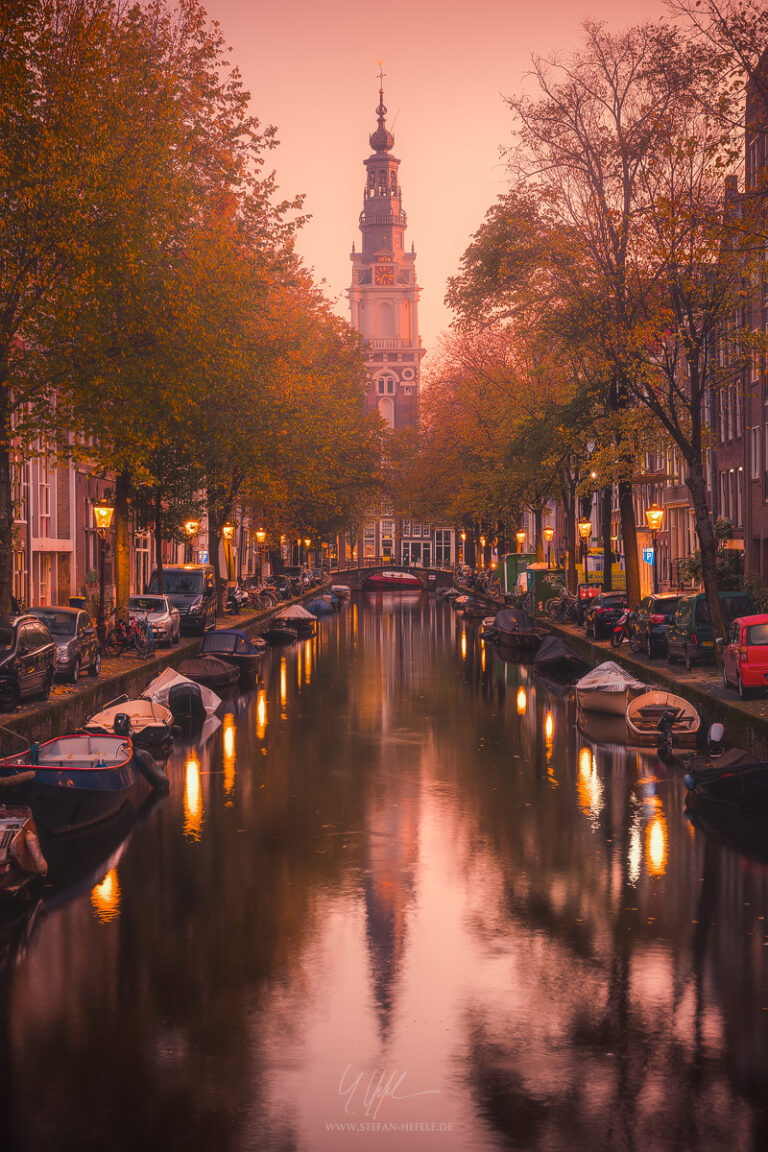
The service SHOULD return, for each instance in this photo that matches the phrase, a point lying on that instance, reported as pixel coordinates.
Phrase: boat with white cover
(608, 688)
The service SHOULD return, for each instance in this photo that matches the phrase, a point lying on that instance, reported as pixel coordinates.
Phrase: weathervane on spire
(381, 139)
(381, 75)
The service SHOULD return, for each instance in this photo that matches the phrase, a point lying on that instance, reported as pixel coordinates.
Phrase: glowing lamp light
(548, 533)
(191, 527)
(585, 528)
(102, 514)
(521, 701)
(482, 541)
(463, 537)
(228, 531)
(307, 541)
(549, 727)
(260, 535)
(463, 645)
(654, 517)
(261, 714)
(520, 537)
(193, 801)
(656, 847)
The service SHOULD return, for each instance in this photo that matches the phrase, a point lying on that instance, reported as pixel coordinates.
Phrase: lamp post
(260, 538)
(585, 531)
(307, 542)
(191, 527)
(549, 534)
(520, 537)
(463, 538)
(482, 551)
(102, 513)
(654, 517)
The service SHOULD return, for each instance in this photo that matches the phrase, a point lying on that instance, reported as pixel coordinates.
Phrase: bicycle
(562, 608)
(136, 633)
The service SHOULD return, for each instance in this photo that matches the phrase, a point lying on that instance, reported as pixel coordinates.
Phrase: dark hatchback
(602, 613)
(690, 637)
(649, 623)
(27, 660)
(77, 645)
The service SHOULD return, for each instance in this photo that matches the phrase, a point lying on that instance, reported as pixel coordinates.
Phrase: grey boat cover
(554, 653)
(513, 620)
(609, 677)
(159, 688)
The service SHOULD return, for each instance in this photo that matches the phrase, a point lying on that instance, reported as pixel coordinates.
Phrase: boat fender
(690, 780)
(151, 770)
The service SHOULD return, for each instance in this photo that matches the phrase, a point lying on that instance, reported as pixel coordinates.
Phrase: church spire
(381, 140)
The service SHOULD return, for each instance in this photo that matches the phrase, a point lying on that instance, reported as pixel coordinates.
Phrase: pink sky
(311, 68)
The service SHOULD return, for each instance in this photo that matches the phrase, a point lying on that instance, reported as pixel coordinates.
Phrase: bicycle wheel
(552, 609)
(143, 640)
(114, 642)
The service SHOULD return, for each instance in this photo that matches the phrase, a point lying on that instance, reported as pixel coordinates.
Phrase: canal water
(395, 899)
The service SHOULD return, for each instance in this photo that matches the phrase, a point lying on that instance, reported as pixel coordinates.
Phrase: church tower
(384, 295)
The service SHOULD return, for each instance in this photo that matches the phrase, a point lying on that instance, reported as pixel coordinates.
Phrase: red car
(745, 658)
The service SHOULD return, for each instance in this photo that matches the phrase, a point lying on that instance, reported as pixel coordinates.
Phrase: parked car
(649, 623)
(283, 585)
(745, 656)
(27, 660)
(77, 645)
(191, 588)
(602, 612)
(689, 637)
(162, 616)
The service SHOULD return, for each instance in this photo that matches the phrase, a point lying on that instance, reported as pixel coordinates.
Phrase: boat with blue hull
(73, 782)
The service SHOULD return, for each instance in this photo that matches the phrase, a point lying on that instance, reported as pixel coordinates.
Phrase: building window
(406, 527)
(739, 496)
(45, 499)
(443, 547)
(416, 530)
(723, 492)
(369, 541)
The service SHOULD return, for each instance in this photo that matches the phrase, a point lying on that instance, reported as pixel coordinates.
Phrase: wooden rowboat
(649, 716)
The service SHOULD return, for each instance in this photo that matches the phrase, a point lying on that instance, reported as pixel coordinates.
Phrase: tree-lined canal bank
(394, 900)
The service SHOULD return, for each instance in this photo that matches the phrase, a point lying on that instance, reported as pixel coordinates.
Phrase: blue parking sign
(648, 555)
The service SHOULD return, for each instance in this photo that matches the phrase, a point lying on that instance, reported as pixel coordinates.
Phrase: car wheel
(633, 644)
(95, 667)
(744, 693)
(687, 659)
(10, 695)
(726, 682)
(76, 670)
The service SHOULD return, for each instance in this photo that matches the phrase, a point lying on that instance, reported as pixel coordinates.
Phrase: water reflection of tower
(392, 819)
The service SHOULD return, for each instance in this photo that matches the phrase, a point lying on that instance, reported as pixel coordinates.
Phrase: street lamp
(549, 534)
(191, 527)
(585, 531)
(463, 538)
(520, 537)
(307, 542)
(482, 551)
(654, 517)
(260, 538)
(102, 514)
(228, 533)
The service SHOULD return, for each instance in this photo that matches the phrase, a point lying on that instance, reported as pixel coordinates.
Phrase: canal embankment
(70, 705)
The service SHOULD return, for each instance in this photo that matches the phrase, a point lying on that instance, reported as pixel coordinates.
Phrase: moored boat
(393, 581)
(234, 647)
(654, 713)
(516, 629)
(734, 779)
(210, 671)
(190, 703)
(72, 782)
(296, 616)
(608, 688)
(555, 658)
(341, 591)
(21, 858)
(280, 633)
(149, 724)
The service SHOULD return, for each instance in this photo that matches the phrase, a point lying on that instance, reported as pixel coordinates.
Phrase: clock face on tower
(385, 274)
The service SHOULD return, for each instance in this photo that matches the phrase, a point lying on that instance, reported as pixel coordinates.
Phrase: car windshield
(614, 601)
(757, 634)
(179, 583)
(58, 623)
(219, 643)
(735, 606)
(146, 604)
(6, 639)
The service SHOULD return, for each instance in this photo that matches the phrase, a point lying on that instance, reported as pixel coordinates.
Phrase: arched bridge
(431, 578)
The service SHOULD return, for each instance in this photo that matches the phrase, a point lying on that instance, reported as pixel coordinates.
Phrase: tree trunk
(159, 539)
(122, 546)
(213, 551)
(569, 503)
(605, 532)
(6, 505)
(697, 487)
(629, 536)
